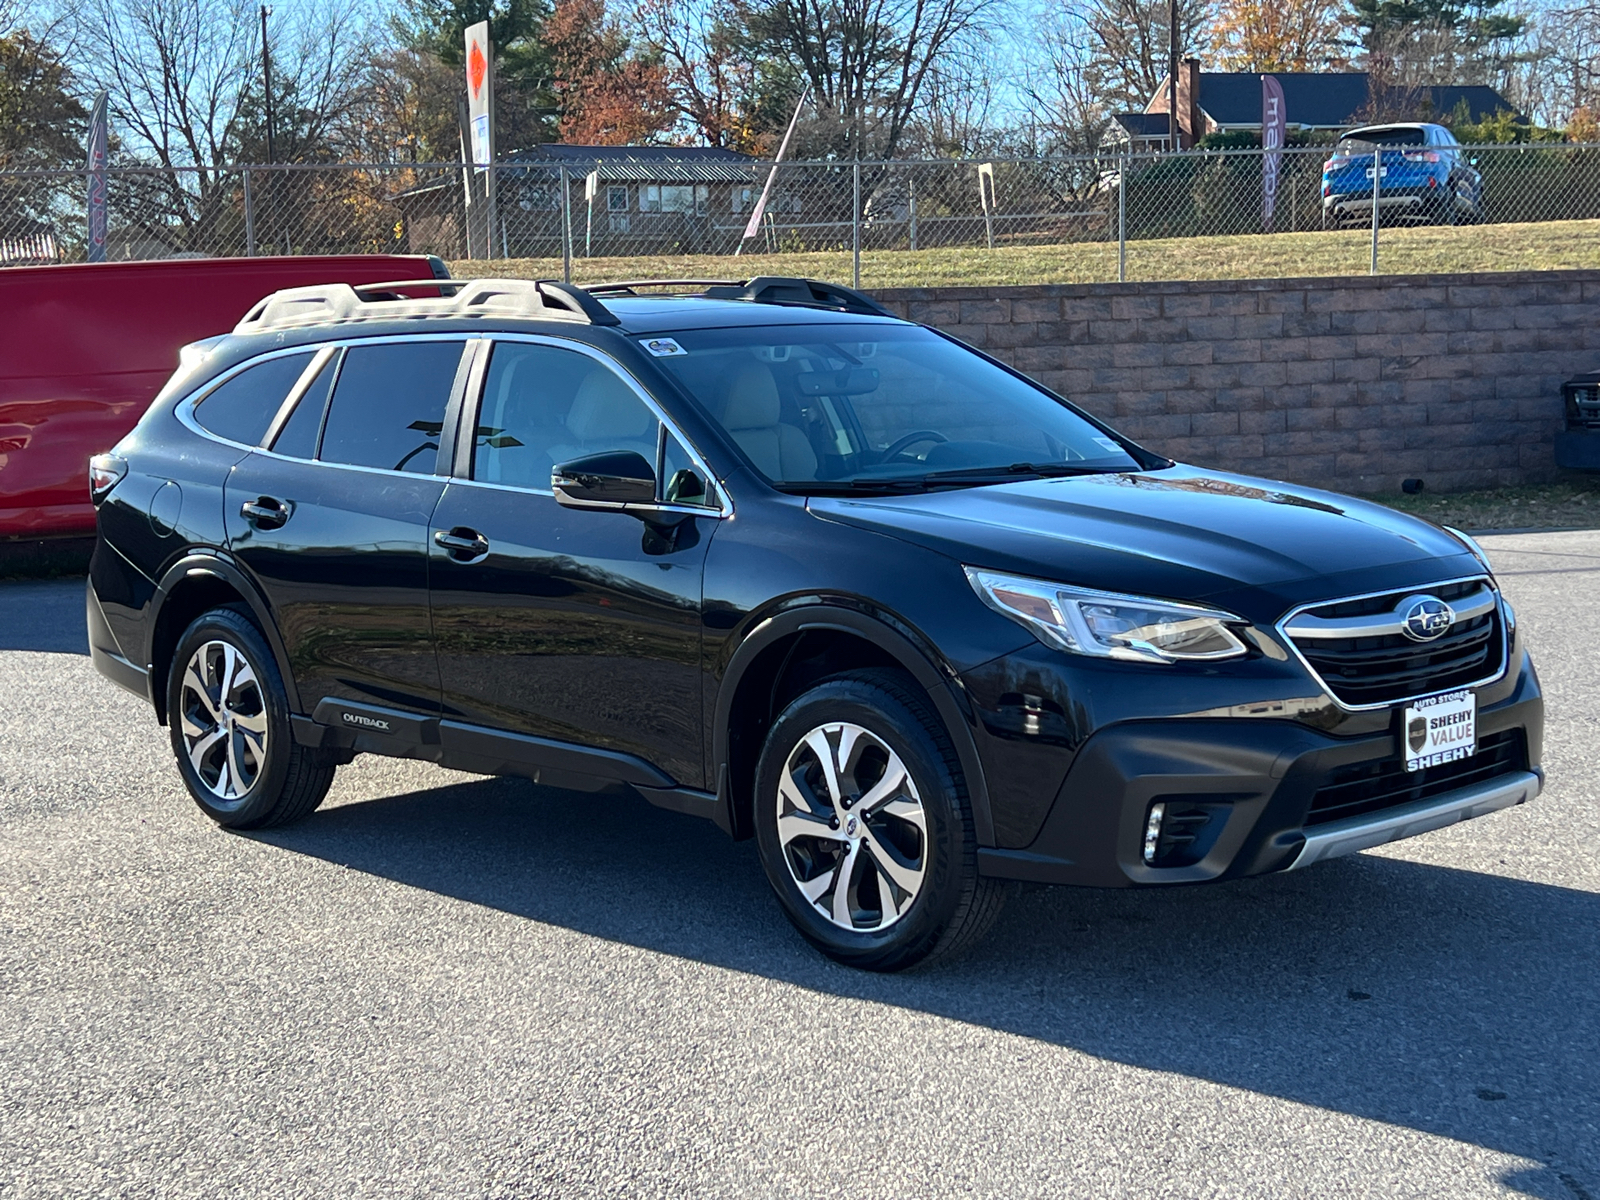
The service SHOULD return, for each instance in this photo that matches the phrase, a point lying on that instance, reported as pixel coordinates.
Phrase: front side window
(545, 405)
(867, 405)
(388, 405)
(242, 409)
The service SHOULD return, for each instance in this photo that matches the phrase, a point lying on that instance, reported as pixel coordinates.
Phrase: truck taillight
(105, 472)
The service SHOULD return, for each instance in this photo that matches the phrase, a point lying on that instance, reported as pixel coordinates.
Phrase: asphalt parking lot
(442, 985)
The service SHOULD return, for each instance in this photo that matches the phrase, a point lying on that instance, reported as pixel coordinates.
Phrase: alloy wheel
(223, 718)
(852, 827)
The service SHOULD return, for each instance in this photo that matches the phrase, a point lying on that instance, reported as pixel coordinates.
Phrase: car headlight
(1108, 625)
(1471, 544)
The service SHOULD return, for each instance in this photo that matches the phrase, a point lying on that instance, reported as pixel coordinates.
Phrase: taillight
(105, 472)
(1427, 156)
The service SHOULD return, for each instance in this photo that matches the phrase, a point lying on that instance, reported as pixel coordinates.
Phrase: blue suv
(1423, 175)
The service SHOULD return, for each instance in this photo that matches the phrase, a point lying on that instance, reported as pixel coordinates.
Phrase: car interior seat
(605, 416)
(750, 412)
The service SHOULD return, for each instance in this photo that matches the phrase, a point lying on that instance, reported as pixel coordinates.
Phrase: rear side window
(298, 437)
(242, 409)
(388, 406)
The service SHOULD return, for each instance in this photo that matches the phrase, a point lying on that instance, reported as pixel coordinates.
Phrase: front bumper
(1255, 791)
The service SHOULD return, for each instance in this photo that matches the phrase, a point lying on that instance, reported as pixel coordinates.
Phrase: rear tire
(859, 788)
(228, 717)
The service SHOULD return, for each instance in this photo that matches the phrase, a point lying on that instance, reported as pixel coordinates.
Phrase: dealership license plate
(1440, 729)
(1383, 172)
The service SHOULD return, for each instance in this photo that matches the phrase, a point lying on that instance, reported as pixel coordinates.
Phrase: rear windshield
(1405, 135)
(842, 403)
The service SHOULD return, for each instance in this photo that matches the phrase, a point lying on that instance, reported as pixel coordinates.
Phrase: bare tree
(710, 72)
(1127, 45)
(184, 81)
(867, 63)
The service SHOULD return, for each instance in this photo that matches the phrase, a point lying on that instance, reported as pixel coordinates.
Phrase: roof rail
(630, 286)
(541, 299)
(763, 289)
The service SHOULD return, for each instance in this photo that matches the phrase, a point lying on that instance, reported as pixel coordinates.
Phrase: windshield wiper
(1017, 470)
(964, 477)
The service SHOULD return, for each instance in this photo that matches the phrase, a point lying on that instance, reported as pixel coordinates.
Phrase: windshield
(816, 407)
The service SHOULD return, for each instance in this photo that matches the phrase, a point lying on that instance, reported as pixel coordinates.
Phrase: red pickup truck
(84, 349)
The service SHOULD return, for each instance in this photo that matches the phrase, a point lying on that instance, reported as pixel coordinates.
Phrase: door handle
(462, 544)
(265, 512)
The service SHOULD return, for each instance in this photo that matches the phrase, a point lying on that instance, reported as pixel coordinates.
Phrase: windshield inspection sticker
(662, 347)
(1109, 444)
(1440, 729)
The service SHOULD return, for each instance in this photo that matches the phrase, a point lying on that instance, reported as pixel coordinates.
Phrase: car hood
(1251, 545)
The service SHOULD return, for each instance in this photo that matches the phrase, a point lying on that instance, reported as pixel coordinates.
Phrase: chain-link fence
(1198, 214)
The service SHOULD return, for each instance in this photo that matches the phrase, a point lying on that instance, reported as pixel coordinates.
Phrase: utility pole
(1172, 73)
(266, 73)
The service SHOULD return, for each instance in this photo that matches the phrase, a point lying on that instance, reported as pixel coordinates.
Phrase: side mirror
(617, 480)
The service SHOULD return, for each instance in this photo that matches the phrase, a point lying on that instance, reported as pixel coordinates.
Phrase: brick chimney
(1191, 121)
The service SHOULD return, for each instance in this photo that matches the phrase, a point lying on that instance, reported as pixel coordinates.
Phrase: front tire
(864, 826)
(229, 721)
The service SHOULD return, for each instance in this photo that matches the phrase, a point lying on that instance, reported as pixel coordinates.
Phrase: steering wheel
(911, 439)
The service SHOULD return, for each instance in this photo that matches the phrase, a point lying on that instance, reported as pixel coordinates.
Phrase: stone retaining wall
(1348, 383)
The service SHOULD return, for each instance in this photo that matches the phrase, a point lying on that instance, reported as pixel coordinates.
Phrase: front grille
(1359, 788)
(1391, 667)
(1583, 404)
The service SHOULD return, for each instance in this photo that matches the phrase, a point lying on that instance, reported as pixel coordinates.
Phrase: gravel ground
(442, 985)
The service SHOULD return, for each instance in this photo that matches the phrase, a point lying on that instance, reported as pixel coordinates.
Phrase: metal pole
(491, 218)
(466, 178)
(1172, 76)
(1122, 218)
(566, 228)
(249, 218)
(911, 206)
(855, 228)
(266, 72)
(1377, 170)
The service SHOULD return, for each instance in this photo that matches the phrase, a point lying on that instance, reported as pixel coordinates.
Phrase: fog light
(1152, 831)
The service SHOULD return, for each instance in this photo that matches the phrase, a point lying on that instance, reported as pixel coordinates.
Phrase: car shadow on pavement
(1452, 1002)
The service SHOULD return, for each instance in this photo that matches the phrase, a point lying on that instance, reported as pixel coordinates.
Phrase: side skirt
(372, 729)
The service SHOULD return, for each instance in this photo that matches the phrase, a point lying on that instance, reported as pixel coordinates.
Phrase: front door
(581, 627)
(333, 523)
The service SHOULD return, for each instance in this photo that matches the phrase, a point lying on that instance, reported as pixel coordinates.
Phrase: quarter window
(242, 409)
(388, 405)
(544, 405)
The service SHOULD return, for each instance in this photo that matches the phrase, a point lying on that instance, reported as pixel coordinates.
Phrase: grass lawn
(1551, 506)
(1543, 246)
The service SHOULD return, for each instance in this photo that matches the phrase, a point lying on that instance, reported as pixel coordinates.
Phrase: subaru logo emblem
(1425, 618)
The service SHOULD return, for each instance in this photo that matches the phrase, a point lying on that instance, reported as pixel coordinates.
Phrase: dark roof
(1328, 98)
(645, 164)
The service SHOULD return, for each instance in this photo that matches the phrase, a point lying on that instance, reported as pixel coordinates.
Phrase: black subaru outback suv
(764, 553)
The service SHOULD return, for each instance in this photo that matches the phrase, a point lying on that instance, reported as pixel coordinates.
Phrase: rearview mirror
(849, 381)
(618, 479)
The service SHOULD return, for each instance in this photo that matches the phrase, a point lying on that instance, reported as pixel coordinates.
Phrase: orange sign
(477, 69)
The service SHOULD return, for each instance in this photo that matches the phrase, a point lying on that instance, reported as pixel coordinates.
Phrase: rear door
(574, 626)
(333, 519)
